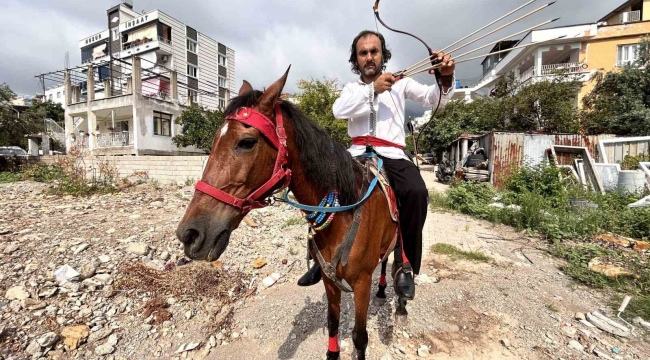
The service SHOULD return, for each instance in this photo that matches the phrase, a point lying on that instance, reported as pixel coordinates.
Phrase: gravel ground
(509, 309)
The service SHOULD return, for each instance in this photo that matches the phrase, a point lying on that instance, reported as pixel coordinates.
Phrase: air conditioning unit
(164, 58)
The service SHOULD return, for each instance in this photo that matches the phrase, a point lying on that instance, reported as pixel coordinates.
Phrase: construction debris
(608, 325)
(601, 266)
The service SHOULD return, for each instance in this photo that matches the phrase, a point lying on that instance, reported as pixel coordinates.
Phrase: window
(162, 123)
(192, 45)
(222, 103)
(222, 60)
(192, 94)
(58, 94)
(116, 33)
(222, 82)
(192, 71)
(50, 97)
(627, 54)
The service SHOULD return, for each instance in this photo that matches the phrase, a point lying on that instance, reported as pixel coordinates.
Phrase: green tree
(198, 127)
(15, 125)
(547, 106)
(316, 99)
(620, 101)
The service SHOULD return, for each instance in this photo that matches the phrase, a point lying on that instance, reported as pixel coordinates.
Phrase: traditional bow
(434, 61)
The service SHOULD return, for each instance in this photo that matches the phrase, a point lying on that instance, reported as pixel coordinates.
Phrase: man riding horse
(374, 107)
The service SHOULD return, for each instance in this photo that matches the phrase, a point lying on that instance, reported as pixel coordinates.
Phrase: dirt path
(467, 311)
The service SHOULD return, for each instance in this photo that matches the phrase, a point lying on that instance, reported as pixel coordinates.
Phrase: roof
(618, 9)
(502, 45)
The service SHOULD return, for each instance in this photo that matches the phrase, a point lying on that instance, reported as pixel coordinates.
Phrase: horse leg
(401, 315)
(381, 293)
(333, 317)
(361, 304)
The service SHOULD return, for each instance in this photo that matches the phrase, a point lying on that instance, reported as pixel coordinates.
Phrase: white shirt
(354, 104)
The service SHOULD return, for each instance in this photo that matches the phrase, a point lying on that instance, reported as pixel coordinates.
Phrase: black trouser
(413, 199)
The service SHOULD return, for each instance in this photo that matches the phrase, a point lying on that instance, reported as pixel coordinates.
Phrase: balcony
(630, 16)
(115, 139)
(568, 68)
(527, 75)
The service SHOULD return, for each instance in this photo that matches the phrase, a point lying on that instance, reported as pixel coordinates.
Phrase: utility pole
(109, 92)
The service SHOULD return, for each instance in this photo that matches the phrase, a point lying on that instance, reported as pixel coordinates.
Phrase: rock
(104, 259)
(386, 357)
(48, 339)
(423, 279)
(17, 293)
(164, 255)
(34, 348)
(423, 351)
(497, 205)
(100, 334)
(638, 320)
(138, 248)
(80, 248)
(104, 278)
(576, 345)
(33, 304)
(104, 349)
(259, 263)
(110, 231)
(580, 316)
(134, 216)
(75, 335)
(66, 274)
(112, 340)
(600, 265)
(187, 347)
(87, 271)
(48, 292)
(505, 342)
(569, 331)
(270, 280)
(10, 249)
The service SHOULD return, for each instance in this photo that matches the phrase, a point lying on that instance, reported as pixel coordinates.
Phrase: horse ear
(245, 87)
(272, 95)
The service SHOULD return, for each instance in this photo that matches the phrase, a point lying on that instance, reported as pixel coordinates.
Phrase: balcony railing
(133, 44)
(116, 139)
(527, 75)
(570, 68)
(630, 16)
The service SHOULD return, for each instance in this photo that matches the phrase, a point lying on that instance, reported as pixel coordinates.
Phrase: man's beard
(368, 72)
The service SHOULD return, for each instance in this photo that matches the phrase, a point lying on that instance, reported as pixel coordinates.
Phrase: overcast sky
(313, 36)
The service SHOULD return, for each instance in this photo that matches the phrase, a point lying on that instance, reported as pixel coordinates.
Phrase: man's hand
(448, 65)
(384, 82)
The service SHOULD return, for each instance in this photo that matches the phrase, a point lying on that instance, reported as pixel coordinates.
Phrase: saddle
(342, 253)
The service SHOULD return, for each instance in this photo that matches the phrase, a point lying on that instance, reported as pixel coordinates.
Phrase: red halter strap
(276, 135)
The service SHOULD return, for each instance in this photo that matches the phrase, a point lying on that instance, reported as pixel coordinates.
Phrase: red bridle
(276, 135)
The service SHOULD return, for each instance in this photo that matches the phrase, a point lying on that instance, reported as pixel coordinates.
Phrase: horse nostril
(189, 236)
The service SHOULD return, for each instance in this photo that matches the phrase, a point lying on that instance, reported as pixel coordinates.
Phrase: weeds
(552, 308)
(455, 253)
(189, 181)
(292, 222)
(9, 177)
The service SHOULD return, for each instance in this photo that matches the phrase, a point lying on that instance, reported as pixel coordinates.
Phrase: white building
(127, 103)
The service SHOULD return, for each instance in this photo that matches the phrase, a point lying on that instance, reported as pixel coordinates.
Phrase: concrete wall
(164, 169)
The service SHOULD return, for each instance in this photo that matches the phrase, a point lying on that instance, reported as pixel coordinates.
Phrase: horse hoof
(381, 293)
(401, 320)
(333, 355)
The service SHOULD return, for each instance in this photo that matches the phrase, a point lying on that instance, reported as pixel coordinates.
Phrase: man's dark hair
(385, 53)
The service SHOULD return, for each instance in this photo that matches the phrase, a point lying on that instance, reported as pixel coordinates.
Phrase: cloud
(268, 35)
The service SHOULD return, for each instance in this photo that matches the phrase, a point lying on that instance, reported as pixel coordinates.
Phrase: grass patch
(9, 177)
(292, 222)
(455, 253)
(438, 200)
(552, 308)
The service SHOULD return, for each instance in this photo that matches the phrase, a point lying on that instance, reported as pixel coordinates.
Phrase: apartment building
(135, 78)
(579, 50)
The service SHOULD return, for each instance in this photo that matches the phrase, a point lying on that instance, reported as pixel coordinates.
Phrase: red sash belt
(374, 141)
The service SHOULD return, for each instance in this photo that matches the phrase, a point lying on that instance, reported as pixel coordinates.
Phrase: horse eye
(246, 144)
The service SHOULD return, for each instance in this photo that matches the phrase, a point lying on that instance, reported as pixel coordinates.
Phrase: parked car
(428, 158)
(12, 151)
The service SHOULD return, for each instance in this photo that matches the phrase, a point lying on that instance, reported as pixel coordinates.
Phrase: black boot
(311, 277)
(403, 280)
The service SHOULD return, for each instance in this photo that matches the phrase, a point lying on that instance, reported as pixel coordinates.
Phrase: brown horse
(241, 162)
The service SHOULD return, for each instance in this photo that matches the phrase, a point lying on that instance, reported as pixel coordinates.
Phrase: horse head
(241, 162)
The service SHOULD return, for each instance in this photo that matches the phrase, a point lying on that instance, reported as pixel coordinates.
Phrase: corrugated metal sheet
(506, 155)
(509, 151)
(616, 152)
(588, 141)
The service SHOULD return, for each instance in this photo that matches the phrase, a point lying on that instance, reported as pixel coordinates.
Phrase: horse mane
(338, 171)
